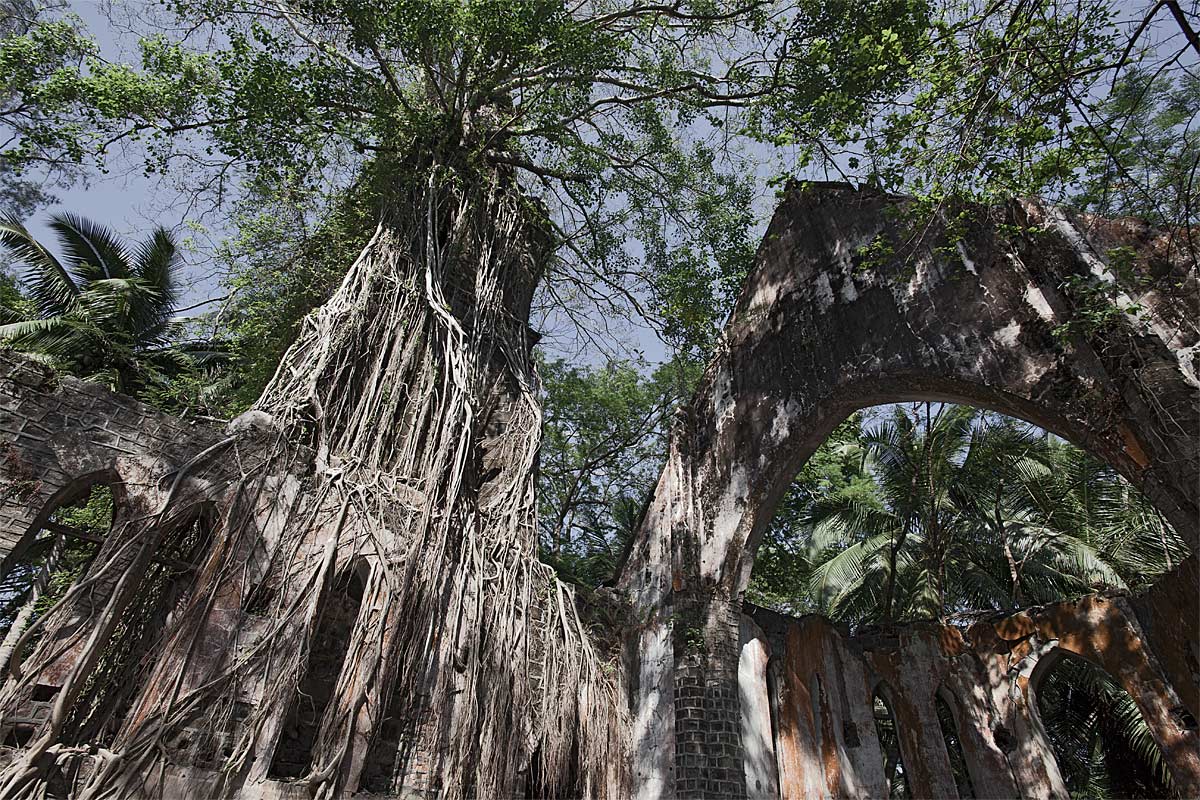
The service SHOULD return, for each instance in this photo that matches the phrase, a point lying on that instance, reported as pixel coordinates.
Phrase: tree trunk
(890, 586)
(397, 439)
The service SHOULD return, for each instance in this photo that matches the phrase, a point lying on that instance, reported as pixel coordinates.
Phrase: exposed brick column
(708, 739)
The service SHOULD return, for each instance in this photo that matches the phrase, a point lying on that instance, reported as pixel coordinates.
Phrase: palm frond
(58, 337)
(93, 251)
(1100, 739)
(844, 517)
(155, 264)
(841, 580)
(52, 287)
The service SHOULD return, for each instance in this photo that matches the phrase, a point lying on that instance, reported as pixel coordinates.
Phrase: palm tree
(1019, 535)
(884, 555)
(103, 312)
(1083, 500)
(967, 511)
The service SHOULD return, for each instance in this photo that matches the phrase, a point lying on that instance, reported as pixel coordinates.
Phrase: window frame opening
(947, 710)
(332, 634)
(887, 731)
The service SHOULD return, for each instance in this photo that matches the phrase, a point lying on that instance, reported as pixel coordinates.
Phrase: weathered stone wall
(727, 705)
(842, 311)
(59, 435)
(821, 683)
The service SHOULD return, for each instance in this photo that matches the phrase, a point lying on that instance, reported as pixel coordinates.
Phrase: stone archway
(74, 489)
(840, 313)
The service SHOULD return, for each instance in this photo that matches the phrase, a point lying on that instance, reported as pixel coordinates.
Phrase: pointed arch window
(948, 722)
(889, 742)
(1100, 740)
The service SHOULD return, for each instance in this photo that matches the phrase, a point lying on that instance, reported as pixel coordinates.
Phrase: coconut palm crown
(968, 511)
(102, 312)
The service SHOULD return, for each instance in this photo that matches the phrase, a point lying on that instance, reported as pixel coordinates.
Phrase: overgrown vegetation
(934, 509)
(410, 182)
(603, 447)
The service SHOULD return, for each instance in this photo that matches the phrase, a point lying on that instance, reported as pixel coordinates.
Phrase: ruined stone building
(719, 698)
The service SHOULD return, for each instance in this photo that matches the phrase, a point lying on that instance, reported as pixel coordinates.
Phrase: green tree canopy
(103, 311)
(938, 509)
(645, 129)
(604, 446)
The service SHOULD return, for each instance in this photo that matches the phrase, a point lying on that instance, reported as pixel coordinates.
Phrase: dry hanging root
(402, 431)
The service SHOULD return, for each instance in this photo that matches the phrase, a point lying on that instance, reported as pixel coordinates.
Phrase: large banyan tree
(514, 147)
(396, 444)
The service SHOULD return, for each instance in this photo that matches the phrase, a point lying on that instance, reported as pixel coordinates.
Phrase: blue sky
(124, 199)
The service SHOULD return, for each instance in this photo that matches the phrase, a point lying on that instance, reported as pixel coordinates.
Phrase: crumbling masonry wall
(845, 309)
(60, 434)
(856, 299)
(817, 723)
(60, 437)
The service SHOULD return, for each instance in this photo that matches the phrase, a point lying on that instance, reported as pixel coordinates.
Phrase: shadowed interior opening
(1101, 742)
(889, 743)
(327, 649)
(948, 723)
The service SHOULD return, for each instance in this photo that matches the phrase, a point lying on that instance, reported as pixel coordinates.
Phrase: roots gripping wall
(369, 523)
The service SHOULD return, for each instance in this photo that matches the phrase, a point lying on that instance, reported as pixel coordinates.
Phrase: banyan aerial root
(397, 441)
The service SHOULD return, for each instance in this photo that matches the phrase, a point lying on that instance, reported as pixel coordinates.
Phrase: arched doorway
(1101, 743)
(336, 616)
(929, 510)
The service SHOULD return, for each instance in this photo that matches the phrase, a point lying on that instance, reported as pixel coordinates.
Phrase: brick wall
(820, 330)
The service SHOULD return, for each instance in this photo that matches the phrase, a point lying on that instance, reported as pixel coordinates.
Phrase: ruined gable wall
(58, 433)
(822, 681)
(847, 308)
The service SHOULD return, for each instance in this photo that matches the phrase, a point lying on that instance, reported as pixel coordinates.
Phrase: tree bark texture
(396, 442)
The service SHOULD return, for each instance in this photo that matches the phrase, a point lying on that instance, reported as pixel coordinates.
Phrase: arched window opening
(1003, 515)
(1100, 740)
(36, 576)
(889, 742)
(948, 722)
(336, 617)
(132, 648)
